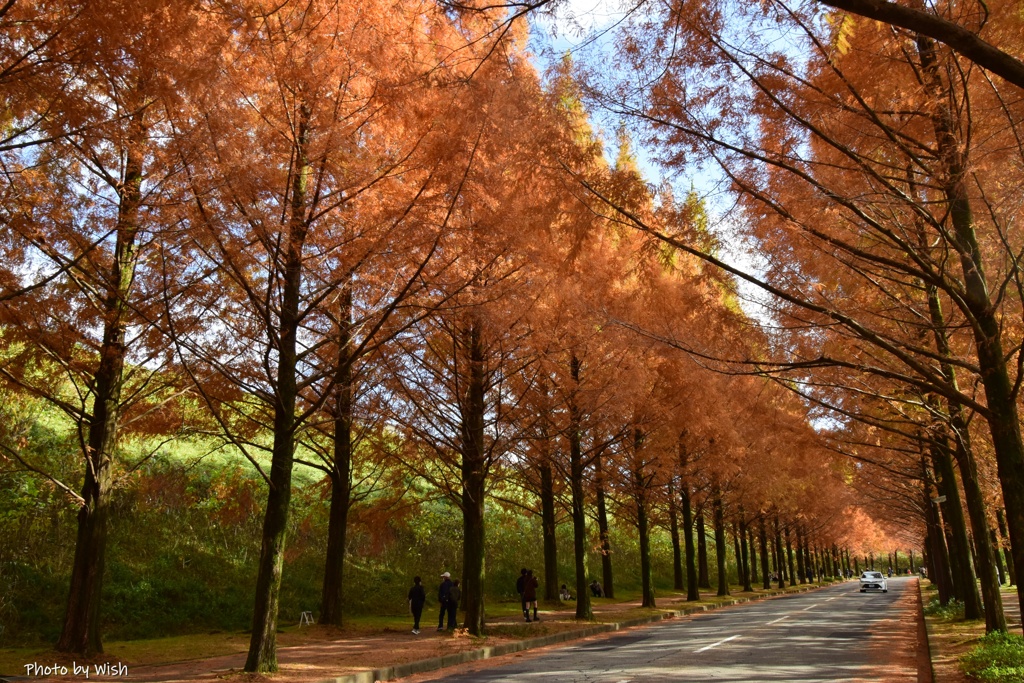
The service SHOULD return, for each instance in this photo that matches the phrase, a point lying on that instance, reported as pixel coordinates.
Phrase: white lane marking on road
(777, 620)
(708, 647)
(827, 599)
(811, 607)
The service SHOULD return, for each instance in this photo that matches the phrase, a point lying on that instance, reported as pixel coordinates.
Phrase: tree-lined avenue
(832, 634)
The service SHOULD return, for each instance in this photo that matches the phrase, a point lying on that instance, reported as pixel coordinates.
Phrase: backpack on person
(454, 595)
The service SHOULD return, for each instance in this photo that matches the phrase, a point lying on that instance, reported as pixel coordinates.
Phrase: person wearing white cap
(443, 593)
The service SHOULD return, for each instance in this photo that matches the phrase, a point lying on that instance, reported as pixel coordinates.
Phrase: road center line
(708, 647)
(777, 620)
(811, 607)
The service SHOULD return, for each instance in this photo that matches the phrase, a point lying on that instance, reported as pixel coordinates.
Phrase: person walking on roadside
(443, 594)
(530, 594)
(454, 595)
(521, 588)
(417, 598)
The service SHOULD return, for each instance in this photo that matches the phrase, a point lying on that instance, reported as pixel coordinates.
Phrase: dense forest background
(186, 526)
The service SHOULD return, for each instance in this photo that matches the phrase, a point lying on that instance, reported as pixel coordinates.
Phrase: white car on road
(873, 581)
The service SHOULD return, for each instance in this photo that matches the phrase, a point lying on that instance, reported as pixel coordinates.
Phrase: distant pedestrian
(520, 588)
(564, 593)
(595, 589)
(530, 594)
(454, 595)
(443, 594)
(417, 598)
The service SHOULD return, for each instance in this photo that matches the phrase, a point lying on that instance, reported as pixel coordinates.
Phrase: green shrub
(998, 658)
(953, 611)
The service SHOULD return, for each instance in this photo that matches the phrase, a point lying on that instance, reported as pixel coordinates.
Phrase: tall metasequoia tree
(91, 84)
(363, 321)
(270, 168)
(351, 480)
(80, 632)
(468, 369)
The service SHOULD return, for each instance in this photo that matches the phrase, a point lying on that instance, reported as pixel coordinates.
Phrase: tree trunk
(994, 540)
(1001, 521)
(81, 630)
(935, 540)
(640, 496)
(719, 524)
(673, 530)
(793, 576)
(579, 517)
(607, 578)
(752, 554)
(473, 529)
(1000, 392)
(262, 657)
(766, 582)
(646, 575)
(474, 479)
(703, 574)
(975, 499)
(780, 566)
(692, 590)
(800, 557)
(737, 550)
(547, 511)
(331, 600)
(964, 586)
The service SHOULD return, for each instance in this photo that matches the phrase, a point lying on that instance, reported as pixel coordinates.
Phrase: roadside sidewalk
(390, 655)
(948, 640)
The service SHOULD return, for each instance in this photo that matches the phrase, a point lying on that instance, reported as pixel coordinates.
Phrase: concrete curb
(933, 649)
(389, 673)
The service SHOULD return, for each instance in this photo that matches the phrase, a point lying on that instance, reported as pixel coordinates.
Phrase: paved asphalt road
(816, 636)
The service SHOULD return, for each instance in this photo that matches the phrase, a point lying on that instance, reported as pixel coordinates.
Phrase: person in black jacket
(443, 593)
(417, 598)
(454, 595)
(521, 589)
(530, 586)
